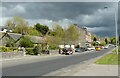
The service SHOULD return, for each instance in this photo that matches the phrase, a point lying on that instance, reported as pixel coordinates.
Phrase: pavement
(98, 70)
(86, 69)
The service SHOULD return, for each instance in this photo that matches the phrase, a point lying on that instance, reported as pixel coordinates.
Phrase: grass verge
(109, 59)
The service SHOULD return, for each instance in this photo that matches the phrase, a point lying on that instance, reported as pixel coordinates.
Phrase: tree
(25, 42)
(9, 24)
(102, 43)
(94, 37)
(113, 40)
(21, 25)
(42, 28)
(106, 41)
(17, 24)
(33, 31)
(55, 36)
(59, 31)
(72, 34)
(53, 41)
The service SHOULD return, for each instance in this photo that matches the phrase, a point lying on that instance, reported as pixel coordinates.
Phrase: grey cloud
(65, 13)
(118, 18)
(56, 11)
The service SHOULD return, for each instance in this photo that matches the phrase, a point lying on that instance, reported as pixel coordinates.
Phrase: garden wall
(6, 55)
(52, 52)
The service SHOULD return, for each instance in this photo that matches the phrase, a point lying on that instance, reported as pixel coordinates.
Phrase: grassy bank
(109, 59)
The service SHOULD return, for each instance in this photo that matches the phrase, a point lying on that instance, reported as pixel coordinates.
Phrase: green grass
(111, 59)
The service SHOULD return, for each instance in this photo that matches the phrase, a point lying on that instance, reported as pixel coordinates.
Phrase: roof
(2, 27)
(37, 39)
(14, 36)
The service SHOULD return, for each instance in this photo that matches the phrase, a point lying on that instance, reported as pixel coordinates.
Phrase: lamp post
(116, 26)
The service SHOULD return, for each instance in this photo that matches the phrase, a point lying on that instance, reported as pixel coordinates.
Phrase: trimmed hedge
(8, 49)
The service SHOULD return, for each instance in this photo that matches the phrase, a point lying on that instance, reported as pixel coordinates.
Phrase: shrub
(33, 51)
(53, 47)
(26, 42)
(29, 51)
(8, 49)
(36, 50)
(3, 49)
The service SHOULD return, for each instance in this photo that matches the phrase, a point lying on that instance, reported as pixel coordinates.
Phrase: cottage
(14, 37)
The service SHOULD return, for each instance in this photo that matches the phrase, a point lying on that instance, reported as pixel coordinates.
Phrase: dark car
(67, 51)
(83, 49)
(78, 50)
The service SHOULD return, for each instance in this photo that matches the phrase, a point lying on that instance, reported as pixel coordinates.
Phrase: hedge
(8, 49)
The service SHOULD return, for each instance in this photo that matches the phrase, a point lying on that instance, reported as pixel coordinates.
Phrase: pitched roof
(37, 39)
(15, 36)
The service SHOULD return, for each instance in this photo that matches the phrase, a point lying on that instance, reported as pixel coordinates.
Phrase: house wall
(82, 37)
(88, 36)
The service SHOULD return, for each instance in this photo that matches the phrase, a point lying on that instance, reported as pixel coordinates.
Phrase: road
(40, 68)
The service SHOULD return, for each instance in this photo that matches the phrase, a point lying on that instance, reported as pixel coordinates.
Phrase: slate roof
(2, 27)
(15, 36)
(37, 39)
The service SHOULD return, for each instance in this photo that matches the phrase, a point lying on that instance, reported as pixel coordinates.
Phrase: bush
(102, 43)
(36, 50)
(8, 49)
(29, 51)
(26, 42)
(3, 49)
(33, 51)
(53, 47)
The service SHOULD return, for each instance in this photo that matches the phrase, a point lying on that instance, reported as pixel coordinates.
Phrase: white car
(90, 48)
(106, 47)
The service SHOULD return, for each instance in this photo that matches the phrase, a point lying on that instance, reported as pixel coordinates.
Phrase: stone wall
(6, 55)
(52, 52)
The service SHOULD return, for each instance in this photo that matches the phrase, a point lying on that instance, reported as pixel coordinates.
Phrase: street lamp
(116, 26)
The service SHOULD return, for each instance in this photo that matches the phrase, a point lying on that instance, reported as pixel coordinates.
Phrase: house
(15, 37)
(85, 37)
(12, 37)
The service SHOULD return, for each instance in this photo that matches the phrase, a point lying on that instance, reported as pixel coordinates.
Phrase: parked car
(78, 50)
(90, 48)
(67, 51)
(83, 49)
(45, 51)
(106, 47)
(102, 47)
(97, 48)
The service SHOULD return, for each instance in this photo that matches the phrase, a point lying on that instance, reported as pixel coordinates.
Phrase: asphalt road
(47, 66)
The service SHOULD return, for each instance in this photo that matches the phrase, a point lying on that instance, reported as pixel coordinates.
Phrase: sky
(92, 15)
(119, 18)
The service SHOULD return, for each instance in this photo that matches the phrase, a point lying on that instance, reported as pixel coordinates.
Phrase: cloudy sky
(93, 15)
